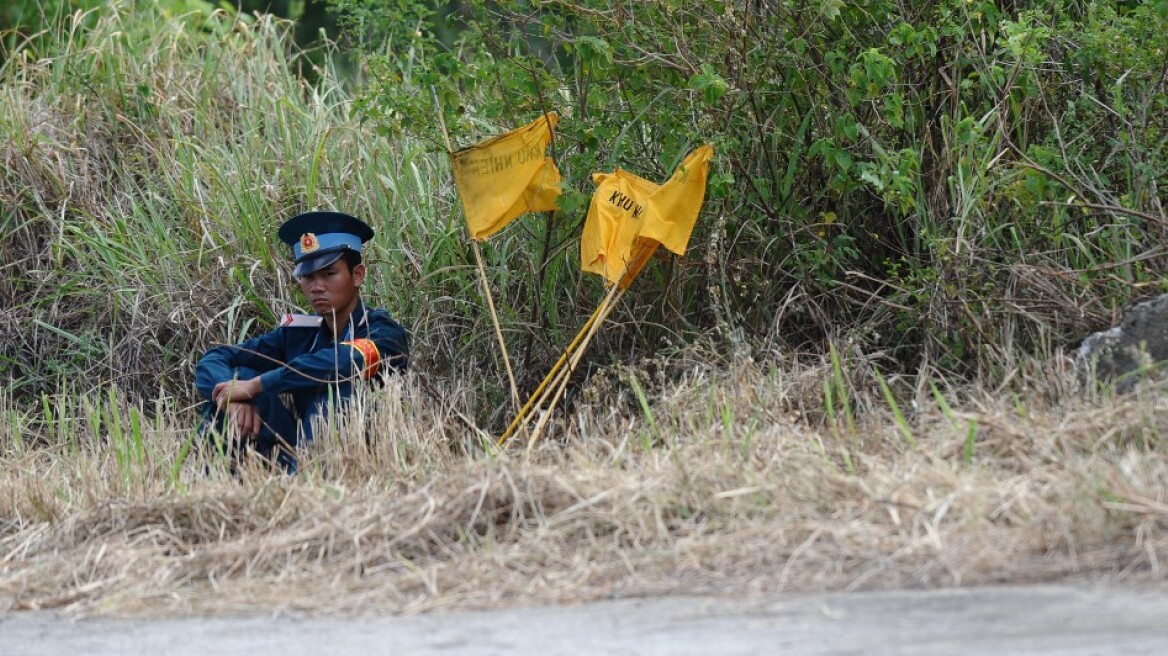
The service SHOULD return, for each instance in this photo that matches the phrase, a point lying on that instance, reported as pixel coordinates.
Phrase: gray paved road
(1048, 620)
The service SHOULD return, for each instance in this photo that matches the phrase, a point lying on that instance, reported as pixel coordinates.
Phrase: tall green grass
(147, 161)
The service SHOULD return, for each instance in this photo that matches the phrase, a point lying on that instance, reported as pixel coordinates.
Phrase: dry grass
(706, 474)
(739, 483)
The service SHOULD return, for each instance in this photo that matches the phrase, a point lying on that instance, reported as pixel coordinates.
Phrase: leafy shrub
(146, 156)
(940, 180)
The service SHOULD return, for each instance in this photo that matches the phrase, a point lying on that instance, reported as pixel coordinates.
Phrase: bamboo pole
(554, 378)
(561, 384)
(482, 269)
(495, 320)
(539, 391)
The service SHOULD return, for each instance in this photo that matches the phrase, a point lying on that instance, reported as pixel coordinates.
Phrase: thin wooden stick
(565, 375)
(482, 269)
(539, 391)
(561, 383)
(495, 320)
(555, 377)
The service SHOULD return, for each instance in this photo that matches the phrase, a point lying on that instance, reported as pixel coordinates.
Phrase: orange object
(369, 354)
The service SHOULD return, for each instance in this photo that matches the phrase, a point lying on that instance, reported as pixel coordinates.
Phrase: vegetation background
(915, 211)
(945, 184)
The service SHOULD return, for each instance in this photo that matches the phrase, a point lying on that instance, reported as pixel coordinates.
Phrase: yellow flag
(506, 176)
(629, 217)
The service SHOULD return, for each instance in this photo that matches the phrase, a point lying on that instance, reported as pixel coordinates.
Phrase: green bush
(937, 180)
(146, 158)
(25, 23)
(940, 183)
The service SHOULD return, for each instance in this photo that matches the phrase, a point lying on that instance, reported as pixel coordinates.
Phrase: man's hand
(245, 419)
(236, 391)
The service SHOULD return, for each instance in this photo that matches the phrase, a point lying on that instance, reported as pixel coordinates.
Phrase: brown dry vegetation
(734, 482)
(138, 144)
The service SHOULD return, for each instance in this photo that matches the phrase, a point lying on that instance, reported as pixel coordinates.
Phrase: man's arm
(218, 365)
(392, 340)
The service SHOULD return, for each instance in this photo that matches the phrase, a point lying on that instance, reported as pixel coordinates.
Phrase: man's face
(333, 288)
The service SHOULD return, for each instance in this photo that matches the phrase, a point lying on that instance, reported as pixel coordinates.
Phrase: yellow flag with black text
(629, 217)
(506, 176)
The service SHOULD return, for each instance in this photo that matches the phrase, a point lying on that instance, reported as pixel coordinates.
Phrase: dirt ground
(1077, 620)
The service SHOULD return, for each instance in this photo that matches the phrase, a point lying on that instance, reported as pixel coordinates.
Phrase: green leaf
(830, 9)
(721, 185)
(709, 83)
(869, 175)
(594, 50)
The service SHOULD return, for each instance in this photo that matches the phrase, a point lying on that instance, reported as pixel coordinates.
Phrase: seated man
(315, 357)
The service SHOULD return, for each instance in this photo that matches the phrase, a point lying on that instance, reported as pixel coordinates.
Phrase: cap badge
(308, 243)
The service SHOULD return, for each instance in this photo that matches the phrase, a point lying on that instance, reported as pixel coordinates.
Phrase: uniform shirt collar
(358, 325)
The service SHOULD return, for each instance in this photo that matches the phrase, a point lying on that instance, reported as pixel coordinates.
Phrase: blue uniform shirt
(306, 362)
